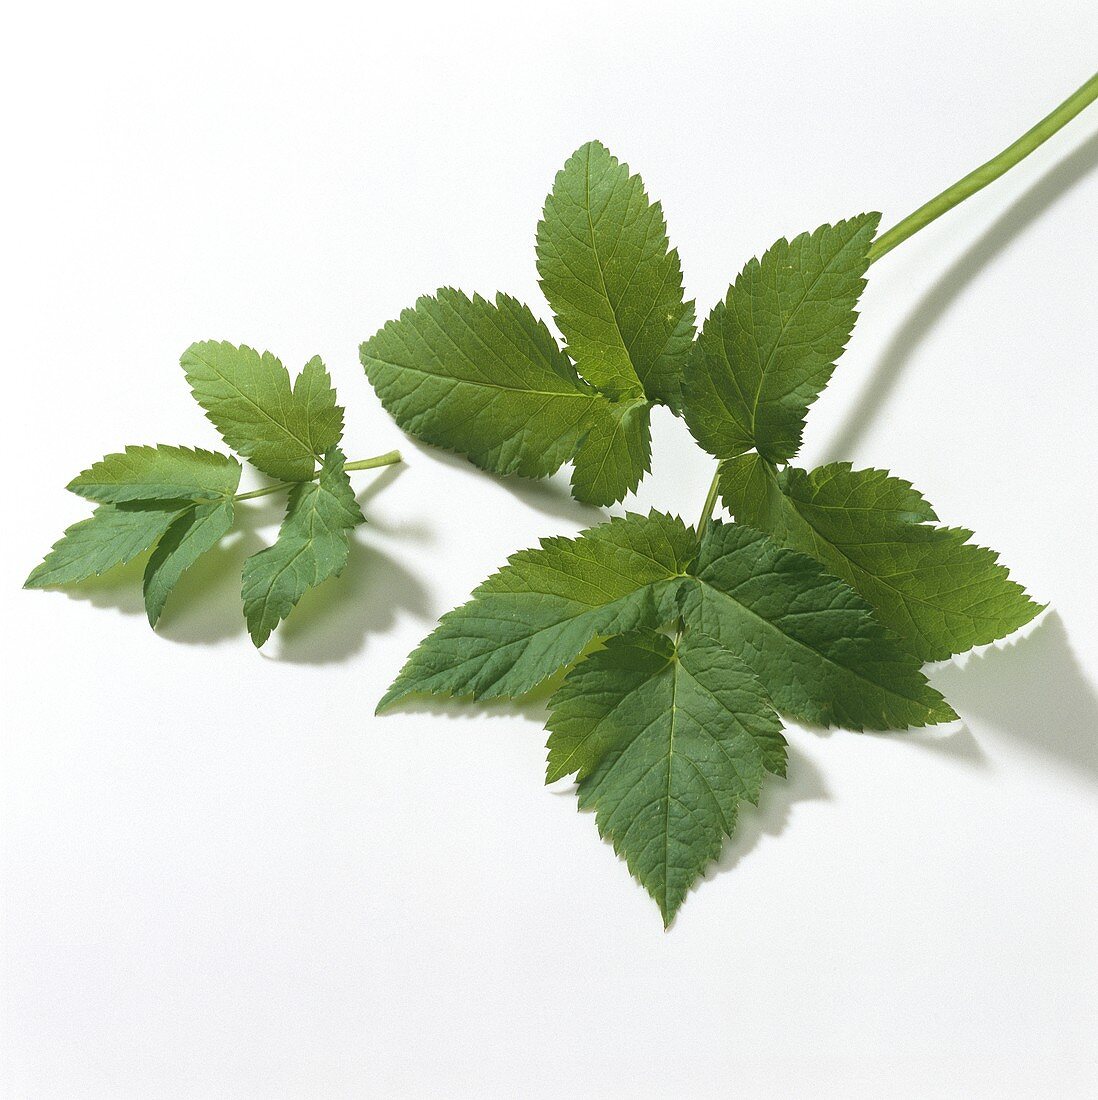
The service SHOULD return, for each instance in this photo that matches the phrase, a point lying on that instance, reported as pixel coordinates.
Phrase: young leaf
(538, 613)
(312, 546)
(113, 535)
(766, 351)
(667, 740)
(812, 640)
(930, 585)
(486, 380)
(158, 473)
(615, 453)
(197, 529)
(613, 282)
(247, 396)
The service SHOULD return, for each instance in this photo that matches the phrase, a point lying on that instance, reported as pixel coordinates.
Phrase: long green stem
(986, 173)
(387, 459)
(950, 197)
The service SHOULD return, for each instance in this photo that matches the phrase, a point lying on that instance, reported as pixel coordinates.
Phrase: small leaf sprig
(179, 502)
(681, 645)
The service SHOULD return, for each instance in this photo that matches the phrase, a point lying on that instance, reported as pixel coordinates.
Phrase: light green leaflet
(247, 396)
(159, 473)
(667, 740)
(537, 614)
(179, 502)
(934, 588)
(197, 529)
(113, 535)
(614, 283)
(811, 640)
(765, 352)
(312, 546)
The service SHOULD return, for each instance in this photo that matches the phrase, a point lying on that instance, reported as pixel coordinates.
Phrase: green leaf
(615, 454)
(247, 396)
(538, 613)
(159, 473)
(197, 529)
(113, 535)
(939, 592)
(666, 740)
(811, 639)
(486, 380)
(612, 280)
(766, 352)
(312, 546)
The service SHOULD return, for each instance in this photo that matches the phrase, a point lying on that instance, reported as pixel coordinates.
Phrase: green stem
(387, 459)
(710, 502)
(984, 175)
(950, 197)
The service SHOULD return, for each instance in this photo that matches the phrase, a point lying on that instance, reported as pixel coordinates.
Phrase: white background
(222, 876)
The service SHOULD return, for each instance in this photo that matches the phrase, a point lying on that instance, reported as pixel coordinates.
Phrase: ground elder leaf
(667, 740)
(158, 473)
(612, 280)
(195, 530)
(312, 545)
(813, 642)
(766, 352)
(281, 430)
(539, 611)
(112, 535)
(930, 585)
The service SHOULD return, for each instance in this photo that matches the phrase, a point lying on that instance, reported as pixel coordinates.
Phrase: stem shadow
(937, 300)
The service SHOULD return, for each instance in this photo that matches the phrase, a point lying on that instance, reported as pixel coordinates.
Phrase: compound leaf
(930, 585)
(666, 739)
(112, 535)
(282, 431)
(612, 280)
(811, 639)
(198, 528)
(158, 473)
(486, 380)
(615, 453)
(539, 612)
(765, 352)
(312, 546)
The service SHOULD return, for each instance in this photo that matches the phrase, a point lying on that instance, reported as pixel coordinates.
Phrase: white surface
(221, 875)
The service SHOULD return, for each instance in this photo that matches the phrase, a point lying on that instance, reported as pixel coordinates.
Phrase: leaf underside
(158, 473)
(113, 534)
(194, 531)
(312, 545)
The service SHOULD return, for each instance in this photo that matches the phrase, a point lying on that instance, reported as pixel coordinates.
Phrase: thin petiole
(986, 173)
(387, 459)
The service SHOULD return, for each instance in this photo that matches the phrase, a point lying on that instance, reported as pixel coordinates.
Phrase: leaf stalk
(387, 459)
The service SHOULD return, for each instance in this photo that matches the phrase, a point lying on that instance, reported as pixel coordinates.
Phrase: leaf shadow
(1034, 690)
(549, 496)
(804, 782)
(333, 621)
(936, 301)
